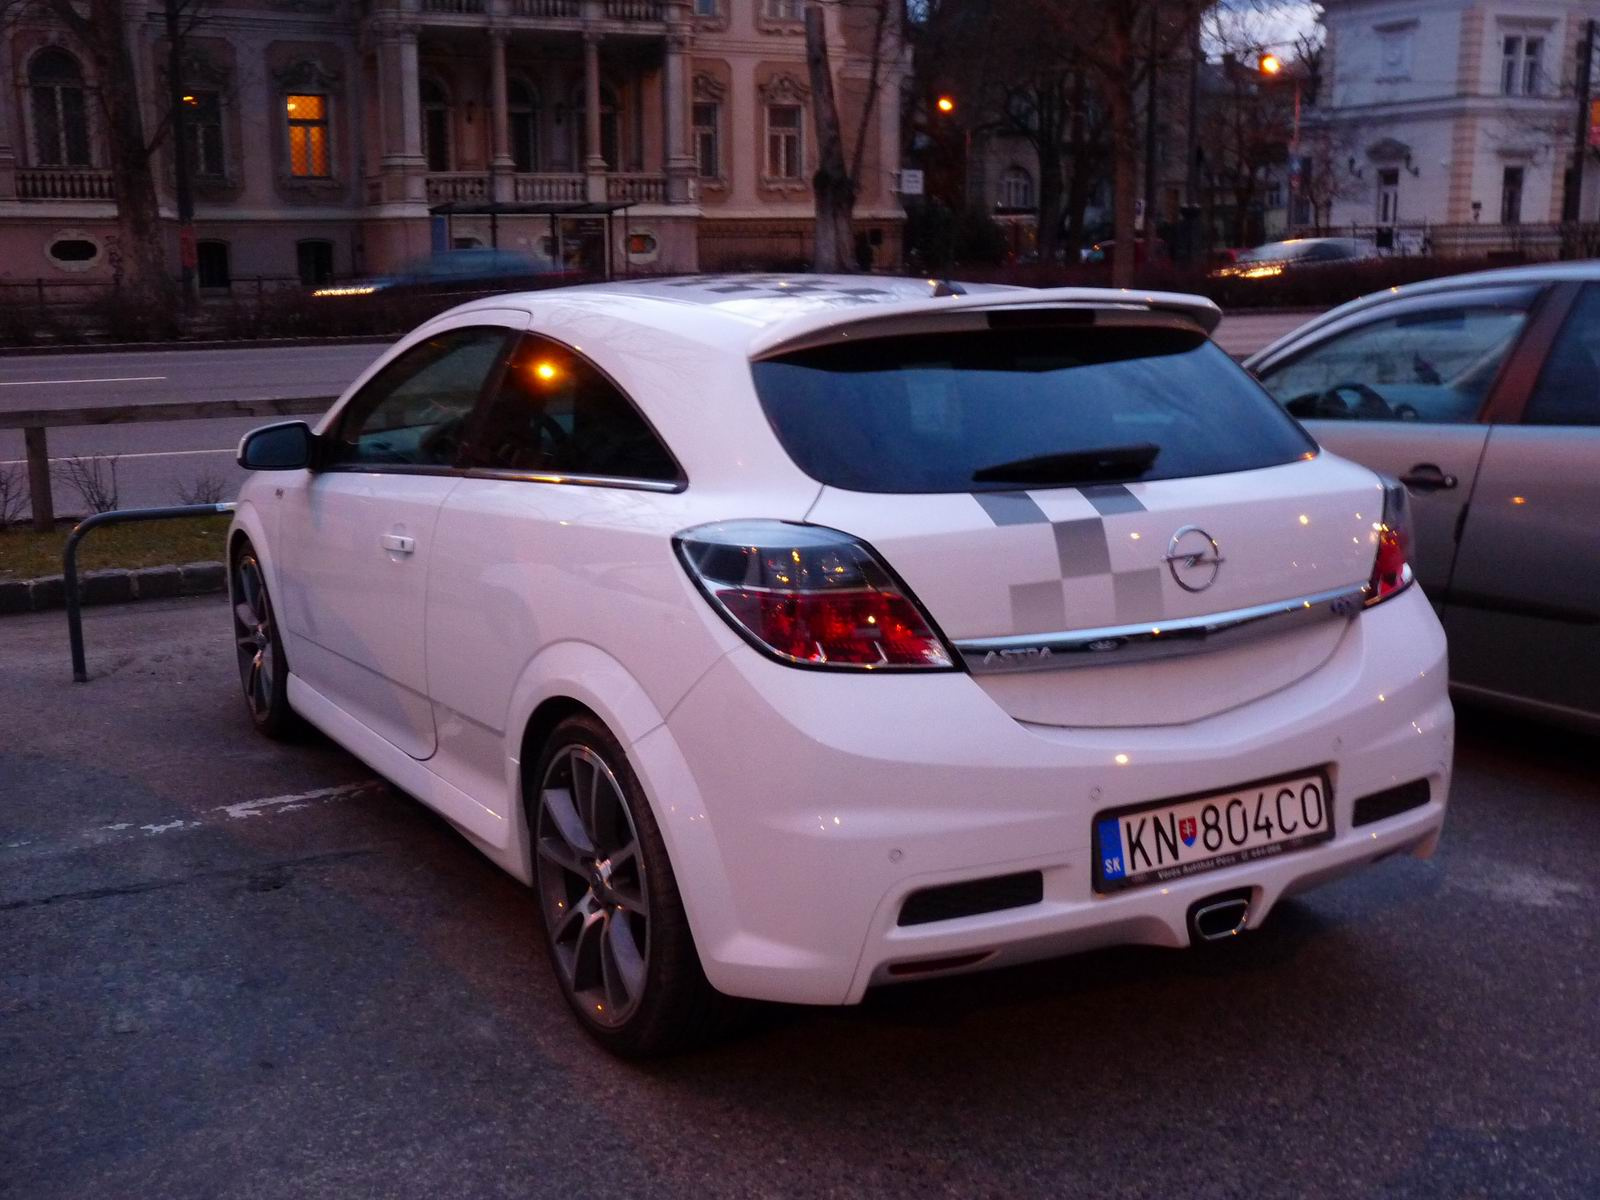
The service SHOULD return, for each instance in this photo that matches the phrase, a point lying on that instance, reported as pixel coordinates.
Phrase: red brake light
(1391, 569)
(811, 596)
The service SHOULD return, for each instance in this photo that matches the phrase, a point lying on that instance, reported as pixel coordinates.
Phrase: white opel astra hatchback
(792, 636)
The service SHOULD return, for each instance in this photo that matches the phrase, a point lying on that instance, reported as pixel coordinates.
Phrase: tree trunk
(1124, 178)
(1049, 199)
(143, 267)
(1082, 177)
(834, 190)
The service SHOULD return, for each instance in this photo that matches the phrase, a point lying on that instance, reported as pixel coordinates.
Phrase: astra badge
(1193, 558)
(1187, 829)
(1016, 657)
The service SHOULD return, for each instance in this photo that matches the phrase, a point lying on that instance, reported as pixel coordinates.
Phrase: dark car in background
(1481, 393)
(472, 270)
(1274, 258)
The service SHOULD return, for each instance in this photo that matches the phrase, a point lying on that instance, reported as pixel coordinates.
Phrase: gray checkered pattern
(1084, 555)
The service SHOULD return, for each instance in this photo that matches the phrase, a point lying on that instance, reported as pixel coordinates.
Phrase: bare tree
(1120, 44)
(837, 181)
(93, 477)
(13, 494)
(208, 488)
(101, 29)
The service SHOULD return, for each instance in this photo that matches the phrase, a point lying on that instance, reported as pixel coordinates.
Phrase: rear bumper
(802, 808)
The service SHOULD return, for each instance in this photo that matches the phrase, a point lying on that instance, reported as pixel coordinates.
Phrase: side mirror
(284, 447)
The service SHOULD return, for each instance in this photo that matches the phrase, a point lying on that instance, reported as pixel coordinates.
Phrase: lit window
(308, 137)
(707, 159)
(784, 156)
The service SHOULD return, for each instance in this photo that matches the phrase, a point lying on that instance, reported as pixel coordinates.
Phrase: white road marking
(109, 379)
(13, 462)
(271, 804)
(265, 807)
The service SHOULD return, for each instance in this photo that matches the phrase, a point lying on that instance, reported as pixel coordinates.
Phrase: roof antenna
(943, 287)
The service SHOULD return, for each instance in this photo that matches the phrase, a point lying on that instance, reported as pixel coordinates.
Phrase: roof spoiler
(931, 315)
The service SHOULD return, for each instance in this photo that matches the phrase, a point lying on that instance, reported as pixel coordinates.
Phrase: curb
(375, 339)
(114, 586)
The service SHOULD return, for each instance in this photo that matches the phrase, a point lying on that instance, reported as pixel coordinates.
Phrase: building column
(594, 162)
(400, 161)
(680, 167)
(501, 165)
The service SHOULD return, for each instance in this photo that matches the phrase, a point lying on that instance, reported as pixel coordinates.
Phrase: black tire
(590, 902)
(263, 666)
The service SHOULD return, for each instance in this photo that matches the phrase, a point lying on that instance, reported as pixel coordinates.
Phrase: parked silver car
(1482, 394)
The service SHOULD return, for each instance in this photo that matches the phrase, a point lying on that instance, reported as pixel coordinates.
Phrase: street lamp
(1270, 66)
(945, 104)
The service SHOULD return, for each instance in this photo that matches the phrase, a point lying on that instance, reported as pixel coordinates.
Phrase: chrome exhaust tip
(1219, 917)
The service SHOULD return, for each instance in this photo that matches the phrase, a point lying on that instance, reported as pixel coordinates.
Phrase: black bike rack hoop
(69, 562)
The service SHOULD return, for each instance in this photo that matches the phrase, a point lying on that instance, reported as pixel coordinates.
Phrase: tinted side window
(414, 412)
(554, 412)
(1436, 365)
(1569, 386)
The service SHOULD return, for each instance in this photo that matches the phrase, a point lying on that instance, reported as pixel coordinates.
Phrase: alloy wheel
(591, 877)
(252, 622)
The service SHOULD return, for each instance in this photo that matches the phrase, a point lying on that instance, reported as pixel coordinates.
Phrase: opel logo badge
(1193, 558)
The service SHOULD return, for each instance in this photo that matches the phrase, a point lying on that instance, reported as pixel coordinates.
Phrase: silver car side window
(1435, 365)
(1568, 392)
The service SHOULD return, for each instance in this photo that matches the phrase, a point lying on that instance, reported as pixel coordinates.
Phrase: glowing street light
(945, 104)
(1270, 64)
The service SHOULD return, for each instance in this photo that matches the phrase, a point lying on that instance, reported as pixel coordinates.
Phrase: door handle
(1427, 477)
(397, 543)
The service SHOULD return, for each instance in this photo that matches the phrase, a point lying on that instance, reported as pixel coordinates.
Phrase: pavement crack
(156, 885)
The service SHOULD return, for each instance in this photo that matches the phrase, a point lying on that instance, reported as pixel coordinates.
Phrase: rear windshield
(1007, 409)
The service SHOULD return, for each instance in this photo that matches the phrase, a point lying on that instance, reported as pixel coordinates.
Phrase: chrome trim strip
(1116, 644)
(607, 481)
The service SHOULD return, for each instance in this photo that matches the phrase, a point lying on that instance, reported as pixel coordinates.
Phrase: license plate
(1173, 839)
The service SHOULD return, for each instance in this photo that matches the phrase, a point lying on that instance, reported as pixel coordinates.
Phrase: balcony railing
(64, 183)
(547, 8)
(544, 189)
(636, 10)
(457, 185)
(453, 6)
(639, 189)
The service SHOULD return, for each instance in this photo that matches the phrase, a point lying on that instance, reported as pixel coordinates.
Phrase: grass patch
(25, 554)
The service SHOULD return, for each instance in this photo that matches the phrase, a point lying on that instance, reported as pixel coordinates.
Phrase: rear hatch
(1062, 491)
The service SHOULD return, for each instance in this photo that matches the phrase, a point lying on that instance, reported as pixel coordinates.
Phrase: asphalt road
(157, 460)
(234, 969)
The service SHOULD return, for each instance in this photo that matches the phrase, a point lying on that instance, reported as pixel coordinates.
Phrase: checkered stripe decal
(771, 286)
(1088, 583)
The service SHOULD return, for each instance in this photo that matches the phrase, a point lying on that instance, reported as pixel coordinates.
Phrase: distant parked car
(1274, 258)
(1481, 393)
(457, 270)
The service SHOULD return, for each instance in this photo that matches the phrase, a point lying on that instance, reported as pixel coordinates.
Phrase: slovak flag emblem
(1187, 830)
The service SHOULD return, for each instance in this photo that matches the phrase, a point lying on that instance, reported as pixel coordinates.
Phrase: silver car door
(1524, 619)
(1401, 389)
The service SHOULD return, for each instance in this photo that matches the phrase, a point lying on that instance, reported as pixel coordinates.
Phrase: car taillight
(1391, 570)
(811, 596)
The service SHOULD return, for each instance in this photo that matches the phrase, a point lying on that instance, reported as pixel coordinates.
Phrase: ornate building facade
(334, 138)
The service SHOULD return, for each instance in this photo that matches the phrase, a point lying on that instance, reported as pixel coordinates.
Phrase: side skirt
(491, 832)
